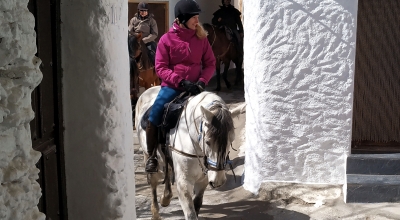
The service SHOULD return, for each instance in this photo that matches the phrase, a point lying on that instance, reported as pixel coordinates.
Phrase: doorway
(46, 127)
(376, 115)
(160, 12)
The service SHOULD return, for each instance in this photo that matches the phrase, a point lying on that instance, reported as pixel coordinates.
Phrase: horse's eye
(208, 143)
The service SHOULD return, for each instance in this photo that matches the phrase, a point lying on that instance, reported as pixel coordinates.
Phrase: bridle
(207, 163)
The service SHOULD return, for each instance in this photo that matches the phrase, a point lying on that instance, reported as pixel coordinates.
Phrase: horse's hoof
(165, 202)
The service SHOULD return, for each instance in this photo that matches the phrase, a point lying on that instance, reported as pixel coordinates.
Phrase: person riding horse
(229, 17)
(184, 62)
(144, 22)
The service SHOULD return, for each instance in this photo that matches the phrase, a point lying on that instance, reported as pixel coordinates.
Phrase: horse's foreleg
(185, 199)
(239, 72)
(153, 179)
(218, 76)
(166, 198)
(225, 73)
(199, 189)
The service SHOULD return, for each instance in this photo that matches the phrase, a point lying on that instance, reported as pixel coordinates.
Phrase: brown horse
(147, 73)
(225, 51)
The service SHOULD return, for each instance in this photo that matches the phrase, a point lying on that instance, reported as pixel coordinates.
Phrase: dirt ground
(275, 201)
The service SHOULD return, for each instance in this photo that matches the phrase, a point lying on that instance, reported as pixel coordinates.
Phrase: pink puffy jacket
(182, 55)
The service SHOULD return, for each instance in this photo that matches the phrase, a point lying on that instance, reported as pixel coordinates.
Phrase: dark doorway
(46, 128)
(376, 115)
(160, 12)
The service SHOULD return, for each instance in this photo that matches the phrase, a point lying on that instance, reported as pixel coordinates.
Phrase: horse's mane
(220, 127)
(133, 45)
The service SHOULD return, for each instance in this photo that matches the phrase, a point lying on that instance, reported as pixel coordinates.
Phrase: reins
(208, 164)
(205, 170)
(215, 37)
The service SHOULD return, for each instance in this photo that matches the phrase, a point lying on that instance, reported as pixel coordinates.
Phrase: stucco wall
(97, 112)
(19, 75)
(299, 70)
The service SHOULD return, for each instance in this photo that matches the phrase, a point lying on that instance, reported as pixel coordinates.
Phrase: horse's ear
(238, 110)
(209, 115)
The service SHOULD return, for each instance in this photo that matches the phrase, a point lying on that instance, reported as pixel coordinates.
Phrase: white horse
(199, 144)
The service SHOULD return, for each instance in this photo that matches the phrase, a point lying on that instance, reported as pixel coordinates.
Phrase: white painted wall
(97, 112)
(19, 75)
(299, 74)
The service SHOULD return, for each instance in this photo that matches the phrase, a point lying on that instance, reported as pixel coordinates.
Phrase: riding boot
(152, 143)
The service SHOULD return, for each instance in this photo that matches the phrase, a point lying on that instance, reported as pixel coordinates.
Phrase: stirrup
(151, 165)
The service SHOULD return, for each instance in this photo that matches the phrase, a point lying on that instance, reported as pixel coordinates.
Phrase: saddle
(171, 115)
(172, 112)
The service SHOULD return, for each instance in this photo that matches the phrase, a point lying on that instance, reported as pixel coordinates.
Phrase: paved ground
(275, 201)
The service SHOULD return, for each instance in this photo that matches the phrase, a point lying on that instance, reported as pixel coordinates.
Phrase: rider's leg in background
(152, 48)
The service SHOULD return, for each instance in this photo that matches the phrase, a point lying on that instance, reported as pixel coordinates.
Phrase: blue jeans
(165, 95)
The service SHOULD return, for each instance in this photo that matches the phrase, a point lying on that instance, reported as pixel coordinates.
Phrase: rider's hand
(201, 85)
(219, 19)
(190, 87)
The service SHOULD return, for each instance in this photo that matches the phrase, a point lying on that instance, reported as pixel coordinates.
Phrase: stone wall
(299, 82)
(19, 75)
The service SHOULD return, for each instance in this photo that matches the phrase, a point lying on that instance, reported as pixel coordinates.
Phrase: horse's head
(218, 134)
(134, 45)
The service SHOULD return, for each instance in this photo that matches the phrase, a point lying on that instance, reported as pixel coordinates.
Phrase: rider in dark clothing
(229, 16)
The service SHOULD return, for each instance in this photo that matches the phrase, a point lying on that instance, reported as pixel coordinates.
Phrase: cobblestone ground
(278, 201)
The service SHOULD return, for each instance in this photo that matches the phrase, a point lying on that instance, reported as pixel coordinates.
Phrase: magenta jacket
(182, 55)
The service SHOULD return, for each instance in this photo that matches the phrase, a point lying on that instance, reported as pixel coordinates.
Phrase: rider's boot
(152, 143)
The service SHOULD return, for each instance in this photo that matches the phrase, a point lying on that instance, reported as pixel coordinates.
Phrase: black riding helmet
(143, 6)
(223, 2)
(185, 9)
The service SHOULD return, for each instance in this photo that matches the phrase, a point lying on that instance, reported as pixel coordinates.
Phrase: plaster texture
(97, 111)
(19, 75)
(299, 70)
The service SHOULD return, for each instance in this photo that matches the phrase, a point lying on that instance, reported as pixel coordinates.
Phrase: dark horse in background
(142, 73)
(134, 55)
(225, 51)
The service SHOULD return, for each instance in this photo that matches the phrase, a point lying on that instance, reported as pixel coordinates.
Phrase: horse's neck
(191, 119)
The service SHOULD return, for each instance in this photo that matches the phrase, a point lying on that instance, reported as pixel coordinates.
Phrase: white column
(97, 112)
(299, 76)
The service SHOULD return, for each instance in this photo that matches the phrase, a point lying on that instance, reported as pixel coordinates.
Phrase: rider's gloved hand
(201, 85)
(190, 87)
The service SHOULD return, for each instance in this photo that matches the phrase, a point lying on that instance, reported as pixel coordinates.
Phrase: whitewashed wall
(97, 112)
(299, 70)
(19, 75)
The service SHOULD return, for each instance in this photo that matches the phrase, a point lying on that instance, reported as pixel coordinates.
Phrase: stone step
(372, 188)
(373, 164)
